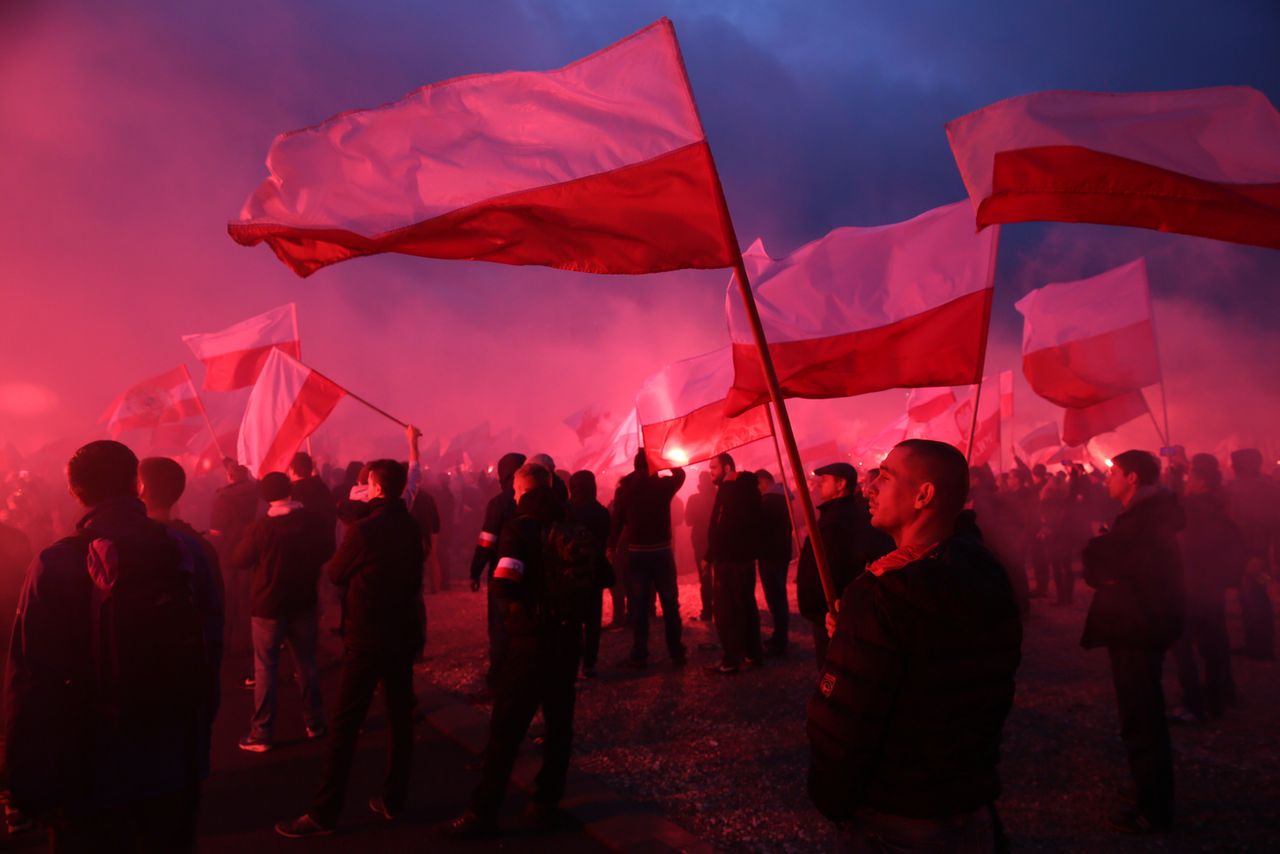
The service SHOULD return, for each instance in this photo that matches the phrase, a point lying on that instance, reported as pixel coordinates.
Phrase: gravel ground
(726, 757)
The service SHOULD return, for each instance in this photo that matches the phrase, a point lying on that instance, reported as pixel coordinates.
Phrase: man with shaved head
(904, 728)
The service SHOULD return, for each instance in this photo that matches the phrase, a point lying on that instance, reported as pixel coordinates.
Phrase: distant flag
(469, 441)
(682, 413)
(1198, 161)
(288, 402)
(175, 438)
(926, 404)
(234, 357)
(1044, 436)
(585, 423)
(617, 450)
(601, 166)
(867, 309)
(878, 446)
(161, 399)
(986, 438)
(1006, 394)
(1079, 425)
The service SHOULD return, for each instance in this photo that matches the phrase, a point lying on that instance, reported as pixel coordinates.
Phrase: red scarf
(899, 557)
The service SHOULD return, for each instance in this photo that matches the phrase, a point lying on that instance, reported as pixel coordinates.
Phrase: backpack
(150, 665)
(571, 569)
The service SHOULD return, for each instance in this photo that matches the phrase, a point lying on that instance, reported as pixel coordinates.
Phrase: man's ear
(925, 495)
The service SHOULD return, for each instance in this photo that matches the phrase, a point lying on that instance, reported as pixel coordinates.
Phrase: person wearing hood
(500, 510)
(1135, 570)
(905, 725)
(594, 516)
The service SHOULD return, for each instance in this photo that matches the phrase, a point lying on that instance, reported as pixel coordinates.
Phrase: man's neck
(160, 514)
(922, 532)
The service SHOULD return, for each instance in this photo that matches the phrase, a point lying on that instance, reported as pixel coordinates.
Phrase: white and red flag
(288, 402)
(233, 357)
(1044, 436)
(162, 399)
(1081, 424)
(1087, 341)
(601, 166)
(1199, 161)
(614, 451)
(585, 423)
(867, 309)
(926, 404)
(681, 410)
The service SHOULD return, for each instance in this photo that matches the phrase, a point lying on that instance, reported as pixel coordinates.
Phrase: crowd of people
(121, 613)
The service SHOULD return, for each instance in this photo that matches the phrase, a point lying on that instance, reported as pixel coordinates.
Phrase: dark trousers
(1258, 617)
(165, 823)
(537, 672)
(362, 672)
(646, 572)
(591, 631)
(773, 578)
(1064, 576)
(1145, 730)
(498, 638)
(1039, 552)
(737, 616)
(706, 586)
(1204, 631)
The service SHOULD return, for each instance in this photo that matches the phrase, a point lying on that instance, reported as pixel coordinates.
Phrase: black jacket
(642, 506)
(316, 497)
(775, 532)
(851, 543)
(519, 582)
(500, 509)
(595, 517)
(285, 553)
(380, 564)
(1136, 572)
(915, 688)
(734, 534)
(1213, 549)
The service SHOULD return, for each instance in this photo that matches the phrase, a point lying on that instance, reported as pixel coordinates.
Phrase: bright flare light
(677, 456)
(1108, 462)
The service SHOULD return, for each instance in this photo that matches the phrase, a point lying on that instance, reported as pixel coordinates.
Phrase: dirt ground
(726, 757)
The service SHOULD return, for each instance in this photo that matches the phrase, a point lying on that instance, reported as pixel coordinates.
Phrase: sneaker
(379, 808)
(317, 732)
(256, 745)
(1132, 821)
(301, 827)
(720, 669)
(470, 825)
(249, 682)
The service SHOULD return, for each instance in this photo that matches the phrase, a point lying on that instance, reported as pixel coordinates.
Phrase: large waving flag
(682, 415)
(867, 309)
(162, 399)
(1080, 424)
(614, 451)
(601, 166)
(234, 357)
(288, 402)
(1200, 161)
(1090, 340)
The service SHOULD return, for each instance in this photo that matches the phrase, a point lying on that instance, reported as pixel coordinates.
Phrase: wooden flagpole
(1167, 437)
(986, 325)
(203, 414)
(360, 399)
(786, 492)
(297, 333)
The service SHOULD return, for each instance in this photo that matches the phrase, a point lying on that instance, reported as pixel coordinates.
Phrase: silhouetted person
(309, 490)
(15, 556)
(584, 507)
(775, 559)
(697, 513)
(1136, 572)
(733, 547)
(904, 728)
(235, 506)
(500, 510)
(1253, 501)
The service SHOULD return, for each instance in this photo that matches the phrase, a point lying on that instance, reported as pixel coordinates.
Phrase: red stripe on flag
(240, 368)
(939, 347)
(701, 435)
(1090, 370)
(316, 399)
(649, 217)
(1067, 183)
(1081, 425)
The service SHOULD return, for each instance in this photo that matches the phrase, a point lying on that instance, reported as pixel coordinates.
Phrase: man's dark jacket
(915, 688)
(1136, 572)
(316, 497)
(380, 564)
(519, 581)
(734, 534)
(286, 554)
(642, 506)
(595, 517)
(500, 510)
(775, 532)
(851, 543)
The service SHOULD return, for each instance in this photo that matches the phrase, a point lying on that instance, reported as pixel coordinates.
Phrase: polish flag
(586, 422)
(1087, 341)
(162, 399)
(867, 309)
(234, 357)
(682, 415)
(1006, 394)
(1199, 161)
(1044, 436)
(616, 451)
(986, 439)
(288, 402)
(601, 166)
(1081, 424)
(926, 404)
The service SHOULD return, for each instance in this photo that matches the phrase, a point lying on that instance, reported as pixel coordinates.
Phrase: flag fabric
(1044, 436)
(926, 404)
(288, 402)
(867, 309)
(616, 450)
(585, 423)
(878, 446)
(682, 413)
(1006, 394)
(1199, 161)
(1081, 424)
(601, 166)
(234, 357)
(1087, 341)
(161, 399)
(986, 432)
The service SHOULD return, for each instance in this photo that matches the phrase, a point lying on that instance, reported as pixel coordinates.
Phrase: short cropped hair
(532, 475)
(302, 464)
(390, 475)
(276, 486)
(164, 479)
(1206, 468)
(765, 474)
(1141, 463)
(727, 461)
(945, 467)
(101, 470)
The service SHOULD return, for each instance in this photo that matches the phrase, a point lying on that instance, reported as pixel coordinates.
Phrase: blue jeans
(268, 635)
(647, 571)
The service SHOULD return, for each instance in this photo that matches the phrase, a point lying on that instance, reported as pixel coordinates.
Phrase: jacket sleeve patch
(486, 540)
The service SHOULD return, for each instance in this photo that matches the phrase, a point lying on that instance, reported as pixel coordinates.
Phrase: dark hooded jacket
(1136, 572)
(915, 688)
(734, 533)
(642, 506)
(500, 509)
(519, 582)
(851, 544)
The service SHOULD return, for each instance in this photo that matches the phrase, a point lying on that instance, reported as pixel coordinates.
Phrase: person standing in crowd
(697, 514)
(500, 510)
(1213, 554)
(103, 732)
(558, 486)
(733, 545)
(904, 727)
(642, 516)
(15, 556)
(1253, 500)
(540, 668)
(235, 506)
(588, 511)
(285, 551)
(1135, 570)
(379, 564)
(775, 558)
(309, 490)
(1003, 520)
(844, 523)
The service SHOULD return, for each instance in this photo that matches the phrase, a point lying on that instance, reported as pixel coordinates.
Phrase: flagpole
(360, 399)
(986, 325)
(203, 414)
(782, 473)
(1167, 438)
(297, 334)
